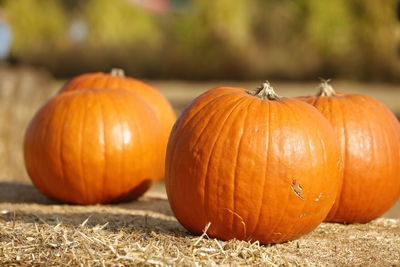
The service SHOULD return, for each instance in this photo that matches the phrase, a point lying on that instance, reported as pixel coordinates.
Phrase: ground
(37, 231)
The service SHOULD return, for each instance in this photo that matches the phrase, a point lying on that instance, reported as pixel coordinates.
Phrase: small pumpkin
(369, 135)
(116, 79)
(255, 165)
(93, 146)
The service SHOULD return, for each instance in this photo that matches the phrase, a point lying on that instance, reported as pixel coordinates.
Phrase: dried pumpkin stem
(325, 89)
(266, 92)
(117, 72)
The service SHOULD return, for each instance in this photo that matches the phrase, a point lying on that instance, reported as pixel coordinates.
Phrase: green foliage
(329, 26)
(294, 39)
(210, 31)
(36, 24)
(354, 38)
(377, 44)
(118, 23)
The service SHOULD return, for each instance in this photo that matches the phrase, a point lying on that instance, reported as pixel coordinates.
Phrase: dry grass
(37, 231)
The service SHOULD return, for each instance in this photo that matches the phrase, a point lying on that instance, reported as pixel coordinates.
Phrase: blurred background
(197, 39)
(184, 47)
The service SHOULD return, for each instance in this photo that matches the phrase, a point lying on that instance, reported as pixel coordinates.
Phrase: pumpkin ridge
(180, 124)
(256, 225)
(289, 231)
(309, 150)
(98, 79)
(62, 132)
(377, 192)
(121, 102)
(81, 156)
(323, 145)
(38, 134)
(342, 148)
(344, 158)
(204, 106)
(108, 82)
(94, 80)
(104, 135)
(245, 120)
(122, 83)
(175, 144)
(139, 137)
(278, 222)
(61, 143)
(95, 96)
(205, 126)
(46, 131)
(212, 147)
(359, 189)
(75, 85)
(196, 114)
(374, 153)
(122, 125)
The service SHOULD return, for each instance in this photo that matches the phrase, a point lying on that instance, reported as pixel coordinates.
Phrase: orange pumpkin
(93, 146)
(116, 79)
(255, 165)
(369, 137)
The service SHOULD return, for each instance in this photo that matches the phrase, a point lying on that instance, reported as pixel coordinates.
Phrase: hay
(37, 231)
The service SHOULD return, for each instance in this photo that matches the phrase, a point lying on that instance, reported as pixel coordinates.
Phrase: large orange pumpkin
(369, 137)
(117, 79)
(93, 146)
(254, 165)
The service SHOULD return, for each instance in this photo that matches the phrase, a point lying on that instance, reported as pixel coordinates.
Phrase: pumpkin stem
(325, 89)
(265, 92)
(117, 72)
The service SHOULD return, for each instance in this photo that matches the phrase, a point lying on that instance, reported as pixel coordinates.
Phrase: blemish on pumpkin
(318, 197)
(300, 187)
(304, 214)
(243, 233)
(339, 163)
(277, 238)
(297, 189)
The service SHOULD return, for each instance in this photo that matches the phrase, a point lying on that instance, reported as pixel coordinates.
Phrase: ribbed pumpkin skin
(150, 94)
(91, 146)
(369, 137)
(256, 169)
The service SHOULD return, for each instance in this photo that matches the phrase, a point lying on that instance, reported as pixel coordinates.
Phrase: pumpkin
(254, 165)
(369, 137)
(116, 79)
(91, 146)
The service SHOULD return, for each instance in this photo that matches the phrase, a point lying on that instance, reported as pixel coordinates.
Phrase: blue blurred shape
(5, 39)
(78, 30)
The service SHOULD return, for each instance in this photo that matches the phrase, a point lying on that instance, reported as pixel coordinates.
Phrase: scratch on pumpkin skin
(297, 189)
(318, 197)
(304, 214)
(243, 223)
